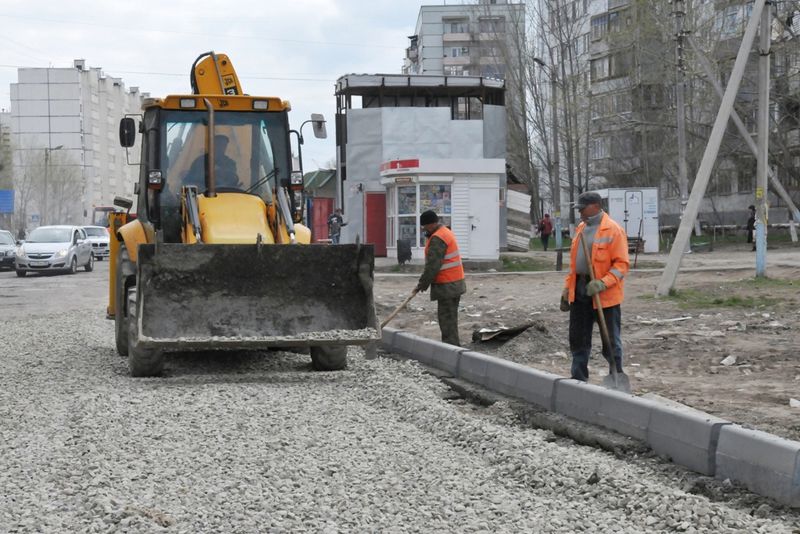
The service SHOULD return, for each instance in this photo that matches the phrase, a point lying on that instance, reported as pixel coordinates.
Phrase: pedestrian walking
(335, 223)
(751, 225)
(545, 229)
(444, 274)
(608, 245)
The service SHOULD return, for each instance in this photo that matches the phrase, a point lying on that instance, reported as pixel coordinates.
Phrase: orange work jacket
(452, 269)
(609, 260)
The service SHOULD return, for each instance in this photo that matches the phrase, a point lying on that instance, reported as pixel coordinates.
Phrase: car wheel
(73, 265)
(141, 362)
(21, 273)
(329, 358)
(89, 267)
(124, 268)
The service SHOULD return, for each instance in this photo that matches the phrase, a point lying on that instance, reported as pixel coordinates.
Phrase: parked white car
(98, 238)
(54, 249)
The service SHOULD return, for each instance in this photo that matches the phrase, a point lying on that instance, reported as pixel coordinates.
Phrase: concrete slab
(387, 337)
(521, 381)
(627, 414)
(765, 463)
(687, 436)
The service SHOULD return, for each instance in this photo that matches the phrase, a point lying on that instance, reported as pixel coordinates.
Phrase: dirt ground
(673, 347)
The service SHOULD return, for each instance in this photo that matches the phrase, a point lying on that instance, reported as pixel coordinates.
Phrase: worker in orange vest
(444, 274)
(608, 246)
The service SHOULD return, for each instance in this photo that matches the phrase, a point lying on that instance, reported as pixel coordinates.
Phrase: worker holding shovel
(443, 273)
(594, 289)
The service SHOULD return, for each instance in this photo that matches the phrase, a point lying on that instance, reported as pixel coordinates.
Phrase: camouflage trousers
(448, 320)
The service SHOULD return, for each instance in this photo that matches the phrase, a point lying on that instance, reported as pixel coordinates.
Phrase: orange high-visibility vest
(451, 270)
(609, 260)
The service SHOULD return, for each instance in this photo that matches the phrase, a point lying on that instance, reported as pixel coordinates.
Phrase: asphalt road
(35, 294)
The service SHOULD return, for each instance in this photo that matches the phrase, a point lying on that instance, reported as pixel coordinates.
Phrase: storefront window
(407, 200)
(434, 197)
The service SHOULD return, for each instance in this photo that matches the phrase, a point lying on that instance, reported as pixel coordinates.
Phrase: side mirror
(127, 132)
(318, 123)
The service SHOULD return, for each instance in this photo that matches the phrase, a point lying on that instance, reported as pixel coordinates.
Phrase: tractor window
(249, 148)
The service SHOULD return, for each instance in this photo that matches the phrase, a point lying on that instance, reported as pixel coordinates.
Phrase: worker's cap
(589, 197)
(428, 217)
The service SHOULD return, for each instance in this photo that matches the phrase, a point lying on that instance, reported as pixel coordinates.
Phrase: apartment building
(618, 57)
(65, 124)
(484, 39)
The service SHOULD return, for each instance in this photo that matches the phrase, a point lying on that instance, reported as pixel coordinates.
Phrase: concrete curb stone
(687, 437)
(765, 463)
(434, 353)
(622, 412)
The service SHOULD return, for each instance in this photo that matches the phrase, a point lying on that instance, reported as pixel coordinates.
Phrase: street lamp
(555, 179)
(47, 151)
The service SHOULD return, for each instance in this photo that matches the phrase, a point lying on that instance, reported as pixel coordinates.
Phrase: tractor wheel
(141, 361)
(329, 358)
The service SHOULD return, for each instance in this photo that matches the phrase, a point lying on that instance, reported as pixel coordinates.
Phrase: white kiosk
(636, 210)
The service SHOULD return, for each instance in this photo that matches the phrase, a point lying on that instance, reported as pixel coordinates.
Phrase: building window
(459, 51)
(600, 148)
(599, 68)
(599, 26)
(456, 26)
(492, 25)
(412, 200)
(455, 70)
(467, 108)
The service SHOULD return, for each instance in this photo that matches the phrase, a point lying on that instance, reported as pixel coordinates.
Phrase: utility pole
(710, 154)
(705, 64)
(555, 179)
(763, 140)
(44, 218)
(680, 104)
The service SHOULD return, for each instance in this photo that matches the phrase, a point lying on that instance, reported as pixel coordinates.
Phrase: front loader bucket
(208, 297)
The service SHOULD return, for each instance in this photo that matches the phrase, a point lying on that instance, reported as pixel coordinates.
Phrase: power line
(183, 74)
(201, 34)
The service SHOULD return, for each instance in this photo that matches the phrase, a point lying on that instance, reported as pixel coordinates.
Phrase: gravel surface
(260, 443)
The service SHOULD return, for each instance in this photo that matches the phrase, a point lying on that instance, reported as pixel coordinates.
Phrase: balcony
(412, 53)
(464, 37)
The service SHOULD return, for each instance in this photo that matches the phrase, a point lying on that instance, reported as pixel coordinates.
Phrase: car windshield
(50, 235)
(5, 240)
(96, 232)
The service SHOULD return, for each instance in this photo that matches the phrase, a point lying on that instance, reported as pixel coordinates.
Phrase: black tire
(89, 267)
(141, 362)
(21, 274)
(329, 358)
(73, 265)
(124, 268)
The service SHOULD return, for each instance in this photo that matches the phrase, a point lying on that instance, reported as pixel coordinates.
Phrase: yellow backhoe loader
(216, 257)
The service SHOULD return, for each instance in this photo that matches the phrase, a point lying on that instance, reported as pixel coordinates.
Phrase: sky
(293, 49)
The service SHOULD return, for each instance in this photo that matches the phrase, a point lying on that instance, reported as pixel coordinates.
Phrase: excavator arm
(213, 74)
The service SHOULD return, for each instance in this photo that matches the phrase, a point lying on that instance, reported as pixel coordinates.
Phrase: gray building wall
(78, 109)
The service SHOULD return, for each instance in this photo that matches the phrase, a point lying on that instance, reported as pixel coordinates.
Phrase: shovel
(397, 310)
(615, 379)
